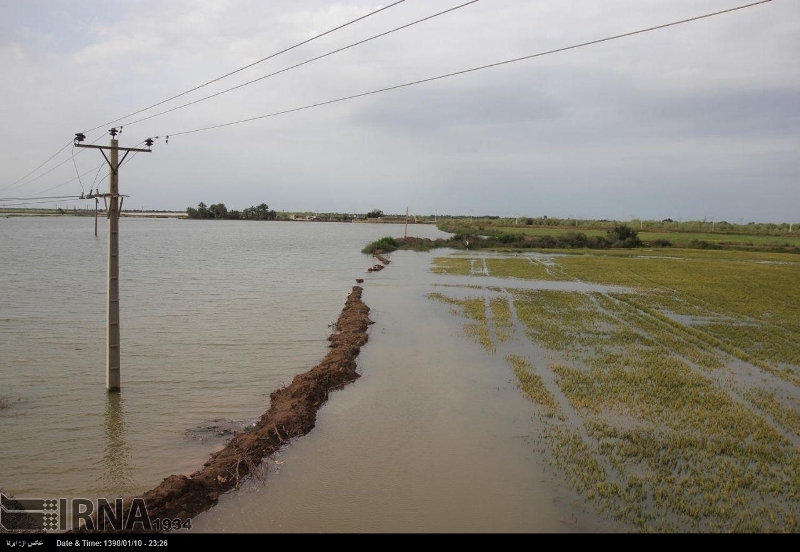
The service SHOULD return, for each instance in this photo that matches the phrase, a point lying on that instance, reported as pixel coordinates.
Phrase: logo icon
(32, 514)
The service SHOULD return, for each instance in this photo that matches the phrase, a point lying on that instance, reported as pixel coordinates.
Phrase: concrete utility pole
(113, 208)
(405, 232)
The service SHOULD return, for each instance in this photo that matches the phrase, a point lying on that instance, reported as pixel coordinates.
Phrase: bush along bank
(620, 236)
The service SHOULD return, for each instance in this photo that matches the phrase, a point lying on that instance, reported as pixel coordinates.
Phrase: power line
(45, 201)
(249, 65)
(80, 175)
(300, 64)
(16, 185)
(72, 179)
(40, 166)
(95, 178)
(99, 166)
(13, 184)
(39, 197)
(471, 70)
(135, 153)
(76, 168)
(38, 177)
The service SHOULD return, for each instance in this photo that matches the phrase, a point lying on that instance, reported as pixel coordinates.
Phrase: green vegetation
(501, 316)
(451, 265)
(623, 236)
(475, 310)
(219, 211)
(544, 233)
(532, 385)
(383, 245)
(523, 267)
(509, 235)
(787, 415)
(671, 406)
(601, 226)
(470, 239)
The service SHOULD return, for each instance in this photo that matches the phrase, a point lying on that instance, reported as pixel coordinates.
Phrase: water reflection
(118, 470)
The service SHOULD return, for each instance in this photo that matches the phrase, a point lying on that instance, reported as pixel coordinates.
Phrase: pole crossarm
(114, 168)
(147, 150)
(90, 196)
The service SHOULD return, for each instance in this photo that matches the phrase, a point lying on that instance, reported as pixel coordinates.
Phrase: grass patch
(532, 385)
(522, 267)
(452, 265)
(474, 309)
(787, 416)
(501, 317)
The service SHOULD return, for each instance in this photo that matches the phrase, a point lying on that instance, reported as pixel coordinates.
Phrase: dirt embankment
(292, 413)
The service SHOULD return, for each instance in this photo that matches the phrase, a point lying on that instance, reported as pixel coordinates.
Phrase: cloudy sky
(694, 121)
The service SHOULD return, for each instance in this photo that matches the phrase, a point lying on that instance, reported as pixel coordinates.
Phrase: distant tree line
(219, 211)
(667, 224)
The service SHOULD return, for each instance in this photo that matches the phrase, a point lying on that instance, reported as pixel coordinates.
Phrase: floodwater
(434, 436)
(215, 315)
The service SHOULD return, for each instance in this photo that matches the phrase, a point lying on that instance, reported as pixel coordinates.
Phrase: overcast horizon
(697, 121)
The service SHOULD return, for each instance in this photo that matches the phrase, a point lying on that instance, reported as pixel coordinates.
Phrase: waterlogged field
(673, 406)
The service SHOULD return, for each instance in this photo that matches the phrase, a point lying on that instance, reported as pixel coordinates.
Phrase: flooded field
(672, 405)
(555, 393)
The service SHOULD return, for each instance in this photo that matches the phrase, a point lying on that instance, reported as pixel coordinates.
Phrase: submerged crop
(672, 408)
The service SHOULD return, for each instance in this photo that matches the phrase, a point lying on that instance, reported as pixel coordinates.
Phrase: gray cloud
(695, 121)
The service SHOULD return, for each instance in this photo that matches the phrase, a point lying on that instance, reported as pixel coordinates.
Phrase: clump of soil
(377, 267)
(292, 413)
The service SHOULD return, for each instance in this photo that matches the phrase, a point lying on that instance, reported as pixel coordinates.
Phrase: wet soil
(292, 413)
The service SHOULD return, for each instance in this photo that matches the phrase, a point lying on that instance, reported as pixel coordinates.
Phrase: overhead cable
(298, 64)
(249, 65)
(471, 70)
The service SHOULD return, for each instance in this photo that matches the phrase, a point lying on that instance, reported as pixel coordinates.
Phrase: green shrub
(661, 243)
(624, 236)
(383, 245)
(703, 244)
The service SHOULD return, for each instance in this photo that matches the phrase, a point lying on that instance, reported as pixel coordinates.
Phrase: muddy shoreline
(292, 413)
